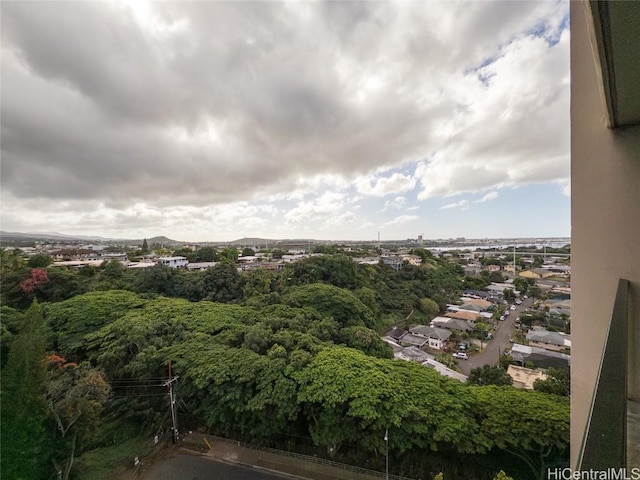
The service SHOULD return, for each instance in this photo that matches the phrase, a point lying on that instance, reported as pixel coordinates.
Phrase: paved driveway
(498, 345)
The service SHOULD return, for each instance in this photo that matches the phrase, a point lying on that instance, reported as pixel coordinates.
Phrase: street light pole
(386, 440)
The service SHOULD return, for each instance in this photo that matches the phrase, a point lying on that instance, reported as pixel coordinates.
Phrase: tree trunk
(67, 470)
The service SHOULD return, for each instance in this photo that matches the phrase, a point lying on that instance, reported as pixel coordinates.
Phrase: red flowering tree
(37, 276)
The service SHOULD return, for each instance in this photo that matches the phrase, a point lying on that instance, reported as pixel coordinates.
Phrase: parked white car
(461, 356)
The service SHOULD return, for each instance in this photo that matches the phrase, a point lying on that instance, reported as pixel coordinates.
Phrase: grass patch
(100, 463)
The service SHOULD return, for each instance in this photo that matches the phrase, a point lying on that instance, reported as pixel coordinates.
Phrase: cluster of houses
(544, 349)
(94, 255)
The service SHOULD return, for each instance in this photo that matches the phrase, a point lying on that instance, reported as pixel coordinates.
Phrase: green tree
(248, 252)
(338, 270)
(340, 304)
(424, 254)
(222, 283)
(73, 320)
(145, 246)
(535, 291)
(189, 254)
(476, 283)
(508, 294)
(505, 361)
(488, 375)
(428, 307)
(62, 284)
(40, 260)
(366, 340)
(558, 382)
(25, 449)
(229, 254)
(277, 253)
(496, 277)
(113, 273)
(347, 396)
(368, 297)
(159, 279)
(206, 254)
(521, 285)
(540, 435)
(11, 261)
(258, 282)
(76, 396)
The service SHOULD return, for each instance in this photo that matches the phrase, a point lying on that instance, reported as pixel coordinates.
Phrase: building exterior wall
(173, 262)
(605, 216)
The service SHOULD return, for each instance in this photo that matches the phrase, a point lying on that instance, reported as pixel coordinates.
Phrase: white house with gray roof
(550, 340)
(436, 337)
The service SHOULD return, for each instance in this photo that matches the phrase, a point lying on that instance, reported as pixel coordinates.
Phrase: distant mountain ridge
(50, 236)
(84, 238)
(249, 241)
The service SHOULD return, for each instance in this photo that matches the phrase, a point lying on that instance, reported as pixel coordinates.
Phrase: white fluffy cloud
(135, 112)
(488, 197)
(462, 204)
(382, 186)
(511, 128)
(397, 202)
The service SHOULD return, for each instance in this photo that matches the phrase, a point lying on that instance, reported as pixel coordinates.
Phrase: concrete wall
(605, 215)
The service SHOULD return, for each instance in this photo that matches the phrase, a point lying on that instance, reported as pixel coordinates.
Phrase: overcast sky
(328, 120)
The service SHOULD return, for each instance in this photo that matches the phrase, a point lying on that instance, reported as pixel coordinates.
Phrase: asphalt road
(195, 467)
(500, 342)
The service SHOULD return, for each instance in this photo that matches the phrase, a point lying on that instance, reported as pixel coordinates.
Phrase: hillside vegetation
(289, 359)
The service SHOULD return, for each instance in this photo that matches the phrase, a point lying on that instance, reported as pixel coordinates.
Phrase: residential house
(467, 316)
(367, 260)
(393, 344)
(293, 258)
(483, 305)
(477, 294)
(415, 340)
(436, 337)
(78, 263)
(470, 315)
(136, 265)
(119, 256)
(536, 273)
(549, 340)
(412, 259)
(396, 333)
(442, 369)
(200, 265)
(173, 262)
(393, 261)
(453, 324)
(413, 354)
(539, 357)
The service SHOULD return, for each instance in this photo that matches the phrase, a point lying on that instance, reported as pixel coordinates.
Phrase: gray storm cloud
(207, 102)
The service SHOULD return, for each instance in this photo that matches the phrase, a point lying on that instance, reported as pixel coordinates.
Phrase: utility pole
(172, 405)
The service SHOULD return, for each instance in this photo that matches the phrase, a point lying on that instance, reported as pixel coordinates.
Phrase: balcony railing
(605, 441)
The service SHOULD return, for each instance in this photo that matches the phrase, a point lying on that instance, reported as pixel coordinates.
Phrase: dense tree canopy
(262, 356)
